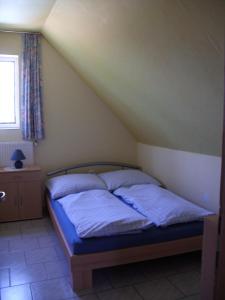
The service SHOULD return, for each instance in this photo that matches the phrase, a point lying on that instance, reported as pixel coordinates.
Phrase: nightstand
(23, 190)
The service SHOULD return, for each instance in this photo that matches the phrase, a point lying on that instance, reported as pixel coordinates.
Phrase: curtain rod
(15, 31)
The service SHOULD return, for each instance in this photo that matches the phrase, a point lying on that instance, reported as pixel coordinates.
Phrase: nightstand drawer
(20, 176)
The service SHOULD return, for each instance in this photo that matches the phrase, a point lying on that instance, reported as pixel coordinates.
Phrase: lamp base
(18, 164)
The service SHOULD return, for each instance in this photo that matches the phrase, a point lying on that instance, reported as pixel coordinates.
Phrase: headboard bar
(93, 164)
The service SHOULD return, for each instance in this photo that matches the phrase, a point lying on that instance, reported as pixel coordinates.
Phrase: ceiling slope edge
(90, 84)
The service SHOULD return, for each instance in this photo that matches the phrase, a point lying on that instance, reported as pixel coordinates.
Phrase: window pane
(7, 92)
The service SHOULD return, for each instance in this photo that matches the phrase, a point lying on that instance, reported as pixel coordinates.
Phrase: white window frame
(15, 60)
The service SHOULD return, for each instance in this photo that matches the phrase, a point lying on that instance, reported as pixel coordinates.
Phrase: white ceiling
(24, 14)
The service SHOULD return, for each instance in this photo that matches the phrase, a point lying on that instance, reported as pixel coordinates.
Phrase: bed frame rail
(93, 164)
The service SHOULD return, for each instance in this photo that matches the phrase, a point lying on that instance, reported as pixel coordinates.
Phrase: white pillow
(61, 186)
(161, 206)
(122, 178)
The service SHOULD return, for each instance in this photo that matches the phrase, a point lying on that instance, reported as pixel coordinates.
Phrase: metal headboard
(93, 164)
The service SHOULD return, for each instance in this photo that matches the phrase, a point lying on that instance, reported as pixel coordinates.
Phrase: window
(9, 92)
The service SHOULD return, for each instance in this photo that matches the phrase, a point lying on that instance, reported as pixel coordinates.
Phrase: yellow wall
(158, 64)
(79, 127)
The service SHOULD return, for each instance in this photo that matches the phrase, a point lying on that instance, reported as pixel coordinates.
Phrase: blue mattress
(152, 235)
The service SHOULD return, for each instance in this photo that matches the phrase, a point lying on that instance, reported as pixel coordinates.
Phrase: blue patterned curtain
(31, 106)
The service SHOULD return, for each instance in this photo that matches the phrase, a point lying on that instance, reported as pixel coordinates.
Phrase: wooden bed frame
(82, 265)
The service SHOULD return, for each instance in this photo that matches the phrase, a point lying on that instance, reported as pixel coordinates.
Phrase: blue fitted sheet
(152, 235)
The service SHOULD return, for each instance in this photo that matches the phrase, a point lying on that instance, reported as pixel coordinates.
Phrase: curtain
(31, 104)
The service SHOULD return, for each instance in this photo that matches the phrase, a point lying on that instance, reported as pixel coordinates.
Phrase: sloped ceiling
(157, 63)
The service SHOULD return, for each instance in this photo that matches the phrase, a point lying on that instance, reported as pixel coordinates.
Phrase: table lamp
(18, 156)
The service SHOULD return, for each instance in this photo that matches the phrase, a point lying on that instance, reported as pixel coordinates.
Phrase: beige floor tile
(55, 289)
(125, 275)
(125, 293)
(159, 289)
(4, 245)
(41, 255)
(25, 244)
(4, 278)
(35, 231)
(188, 283)
(9, 234)
(186, 262)
(25, 224)
(60, 253)
(11, 226)
(48, 241)
(157, 269)
(57, 269)
(20, 292)
(9, 259)
(27, 274)
(43, 222)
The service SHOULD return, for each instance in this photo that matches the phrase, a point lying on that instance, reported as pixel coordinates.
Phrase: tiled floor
(33, 267)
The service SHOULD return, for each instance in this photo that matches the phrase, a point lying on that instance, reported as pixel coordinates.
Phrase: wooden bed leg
(81, 279)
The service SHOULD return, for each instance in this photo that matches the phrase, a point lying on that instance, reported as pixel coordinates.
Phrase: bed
(85, 255)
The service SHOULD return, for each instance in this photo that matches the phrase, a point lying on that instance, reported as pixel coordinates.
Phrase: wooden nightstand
(23, 193)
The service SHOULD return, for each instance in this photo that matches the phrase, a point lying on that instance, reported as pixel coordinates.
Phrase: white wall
(191, 175)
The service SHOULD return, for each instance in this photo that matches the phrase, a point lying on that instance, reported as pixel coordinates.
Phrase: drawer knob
(2, 196)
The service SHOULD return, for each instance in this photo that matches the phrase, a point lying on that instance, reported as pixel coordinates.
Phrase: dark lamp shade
(18, 155)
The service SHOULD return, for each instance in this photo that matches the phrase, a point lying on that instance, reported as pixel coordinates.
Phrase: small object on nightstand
(18, 156)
